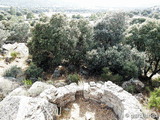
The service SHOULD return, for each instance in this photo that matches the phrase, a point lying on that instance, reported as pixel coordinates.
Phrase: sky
(116, 3)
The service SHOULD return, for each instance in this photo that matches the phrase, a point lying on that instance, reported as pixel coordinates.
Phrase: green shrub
(131, 89)
(96, 60)
(27, 82)
(12, 72)
(33, 72)
(107, 75)
(14, 54)
(154, 100)
(156, 82)
(147, 89)
(73, 78)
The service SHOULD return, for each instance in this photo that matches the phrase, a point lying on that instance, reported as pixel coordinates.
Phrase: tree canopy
(145, 37)
(59, 40)
(109, 31)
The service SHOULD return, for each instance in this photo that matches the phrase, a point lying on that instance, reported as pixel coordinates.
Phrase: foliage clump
(27, 82)
(73, 78)
(145, 38)
(33, 72)
(60, 40)
(14, 55)
(14, 71)
(154, 100)
(107, 75)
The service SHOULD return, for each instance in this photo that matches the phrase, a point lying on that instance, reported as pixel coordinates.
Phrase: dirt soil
(83, 109)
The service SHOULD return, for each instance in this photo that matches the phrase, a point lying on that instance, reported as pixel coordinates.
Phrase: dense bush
(131, 89)
(19, 32)
(4, 33)
(137, 20)
(154, 100)
(27, 82)
(109, 31)
(33, 72)
(60, 40)
(96, 60)
(145, 37)
(12, 72)
(120, 59)
(107, 75)
(81, 36)
(73, 78)
(125, 61)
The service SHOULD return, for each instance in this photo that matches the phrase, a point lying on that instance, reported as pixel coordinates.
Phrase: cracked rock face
(26, 108)
(44, 105)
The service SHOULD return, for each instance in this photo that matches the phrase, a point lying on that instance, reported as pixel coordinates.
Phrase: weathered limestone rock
(17, 47)
(136, 83)
(140, 97)
(123, 103)
(21, 91)
(6, 86)
(62, 95)
(26, 108)
(37, 88)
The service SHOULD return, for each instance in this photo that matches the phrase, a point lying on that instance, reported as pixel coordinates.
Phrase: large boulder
(138, 85)
(62, 95)
(59, 71)
(17, 47)
(140, 97)
(7, 85)
(27, 108)
(37, 88)
(20, 91)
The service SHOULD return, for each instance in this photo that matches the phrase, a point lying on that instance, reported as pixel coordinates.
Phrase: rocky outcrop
(138, 85)
(7, 85)
(17, 47)
(125, 106)
(20, 91)
(62, 95)
(37, 88)
(26, 108)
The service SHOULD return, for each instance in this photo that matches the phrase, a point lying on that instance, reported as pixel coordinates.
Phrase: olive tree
(49, 42)
(58, 41)
(145, 37)
(109, 30)
(81, 36)
(120, 59)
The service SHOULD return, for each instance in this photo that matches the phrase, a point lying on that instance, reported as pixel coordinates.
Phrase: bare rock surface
(26, 108)
(6, 86)
(20, 91)
(37, 88)
(17, 47)
(62, 95)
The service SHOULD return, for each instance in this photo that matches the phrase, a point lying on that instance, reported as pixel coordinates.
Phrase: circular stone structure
(125, 106)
